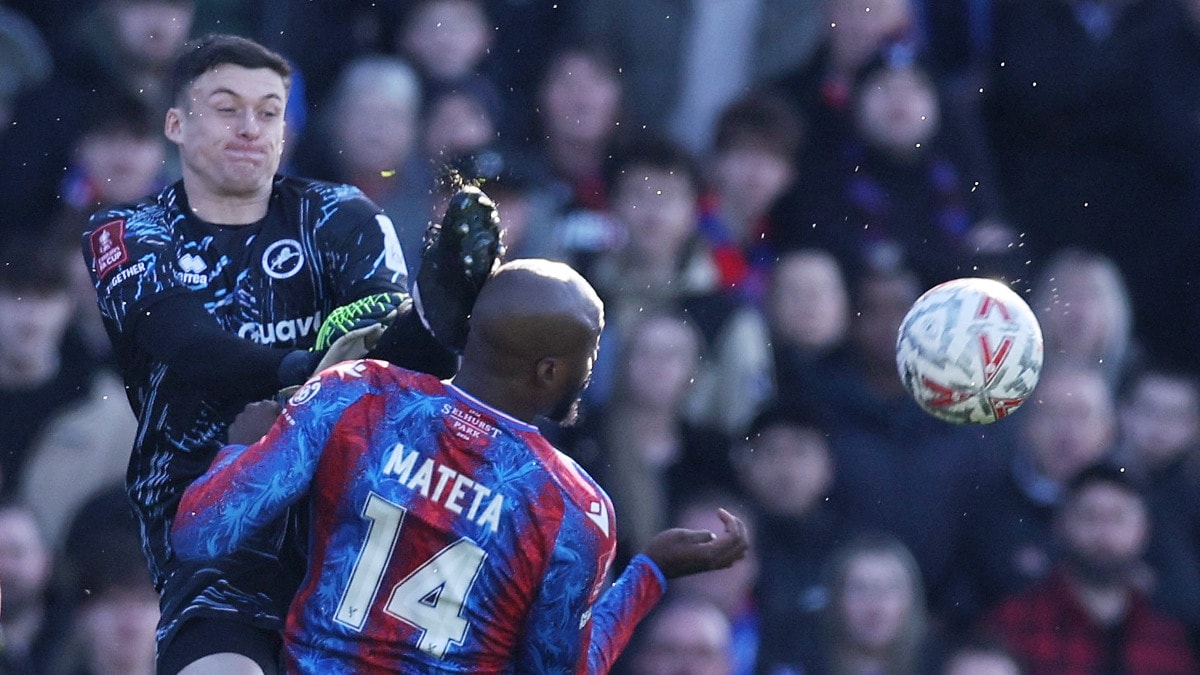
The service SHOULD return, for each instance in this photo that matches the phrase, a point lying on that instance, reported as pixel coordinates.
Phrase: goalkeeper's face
(230, 130)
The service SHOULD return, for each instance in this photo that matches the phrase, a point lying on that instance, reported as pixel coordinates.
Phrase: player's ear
(548, 372)
(173, 125)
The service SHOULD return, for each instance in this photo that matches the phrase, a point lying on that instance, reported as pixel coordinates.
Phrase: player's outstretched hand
(253, 422)
(679, 552)
(381, 308)
(458, 256)
(353, 345)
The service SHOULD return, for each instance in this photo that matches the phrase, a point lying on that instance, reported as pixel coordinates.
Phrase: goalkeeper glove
(381, 308)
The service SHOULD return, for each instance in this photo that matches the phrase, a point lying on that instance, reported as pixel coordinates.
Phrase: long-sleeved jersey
(446, 535)
(271, 282)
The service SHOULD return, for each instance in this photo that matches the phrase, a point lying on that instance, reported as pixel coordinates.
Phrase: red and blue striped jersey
(446, 535)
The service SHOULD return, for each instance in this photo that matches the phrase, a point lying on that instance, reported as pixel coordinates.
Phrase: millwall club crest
(283, 259)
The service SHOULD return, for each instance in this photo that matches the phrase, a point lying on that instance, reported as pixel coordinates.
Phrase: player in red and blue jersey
(447, 534)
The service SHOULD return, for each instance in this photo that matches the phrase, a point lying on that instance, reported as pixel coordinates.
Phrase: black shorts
(204, 636)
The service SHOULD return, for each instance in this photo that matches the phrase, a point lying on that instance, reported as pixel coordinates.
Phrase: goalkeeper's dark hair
(30, 264)
(203, 54)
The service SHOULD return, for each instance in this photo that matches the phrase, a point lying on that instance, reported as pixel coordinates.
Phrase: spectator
(1009, 543)
(1091, 615)
(119, 158)
(899, 189)
(853, 33)
(685, 61)
(62, 413)
(579, 102)
(808, 315)
(320, 39)
(446, 41)
(32, 618)
(875, 621)
(785, 466)
(665, 265)
(117, 611)
(1159, 416)
(684, 637)
(1083, 306)
(758, 138)
(122, 46)
(369, 136)
(732, 589)
(461, 120)
(639, 443)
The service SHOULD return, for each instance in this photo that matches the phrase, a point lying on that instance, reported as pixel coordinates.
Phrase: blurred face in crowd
(580, 100)
(32, 324)
(448, 38)
(898, 111)
(123, 166)
(25, 563)
(787, 469)
(658, 208)
(376, 132)
(750, 176)
(1161, 419)
(1071, 422)
(809, 306)
(151, 33)
(883, 302)
(457, 124)
(1104, 529)
(230, 131)
(876, 601)
(686, 639)
(1083, 311)
(118, 629)
(662, 357)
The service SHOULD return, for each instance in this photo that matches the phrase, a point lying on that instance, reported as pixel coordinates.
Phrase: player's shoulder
(379, 374)
(150, 211)
(323, 192)
(112, 229)
(576, 484)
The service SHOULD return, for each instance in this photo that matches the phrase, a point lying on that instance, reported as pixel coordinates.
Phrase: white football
(970, 351)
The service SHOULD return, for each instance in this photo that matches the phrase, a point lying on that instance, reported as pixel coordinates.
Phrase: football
(969, 351)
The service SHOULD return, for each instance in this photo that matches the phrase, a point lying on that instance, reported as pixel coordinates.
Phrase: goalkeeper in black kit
(233, 284)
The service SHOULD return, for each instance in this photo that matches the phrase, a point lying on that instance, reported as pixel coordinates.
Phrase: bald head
(535, 308)
(535, 326)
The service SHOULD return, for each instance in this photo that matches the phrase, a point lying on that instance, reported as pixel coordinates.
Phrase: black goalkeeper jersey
(272, 282)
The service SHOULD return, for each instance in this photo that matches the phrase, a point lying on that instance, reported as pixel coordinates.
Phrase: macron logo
(598, 514)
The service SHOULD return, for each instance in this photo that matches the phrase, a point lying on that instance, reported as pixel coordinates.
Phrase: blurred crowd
(758, 189)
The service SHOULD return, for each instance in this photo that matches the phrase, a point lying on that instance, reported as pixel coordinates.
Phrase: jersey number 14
(430, 598)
